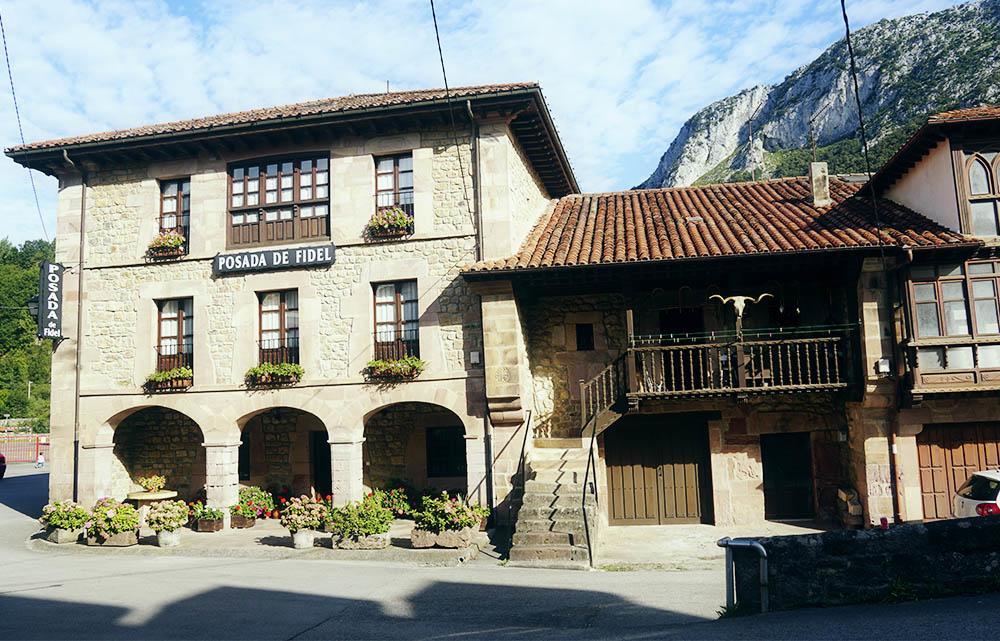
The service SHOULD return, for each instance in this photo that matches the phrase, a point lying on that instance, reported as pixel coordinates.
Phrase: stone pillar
(475, 463)
(95, 473)
(505, 355)
(222, 476)
(347, 471)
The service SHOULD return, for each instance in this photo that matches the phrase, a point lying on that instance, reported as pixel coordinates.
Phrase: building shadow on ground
(26, 494)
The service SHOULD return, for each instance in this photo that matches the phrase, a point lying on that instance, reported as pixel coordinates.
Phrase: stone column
(95, 473)
(475, 463)
(505, 357)
(222, 477)
(347, 470)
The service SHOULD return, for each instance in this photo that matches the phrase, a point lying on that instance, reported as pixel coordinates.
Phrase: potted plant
(171, 380)
(401, 369)
(112, 524)
(389, 222)
(260, 501)
(152, 483)
(242, 516)
(362, 525)
(167, 244)
(206, 519)
(166, 518)
(64, 521)
(273, 374)
(396, 500)
(446, 521)
(302, 517)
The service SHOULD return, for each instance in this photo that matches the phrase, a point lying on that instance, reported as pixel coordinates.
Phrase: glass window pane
(270, 301)
(169, 204)
(984, 219)
(408, 290)
(385, 293)
(237, 219)
(286, 195)
(253, 199)
(271, 215)
(979, 179)
(287, 167)
(253, 185)
(272, 169)
(168, 327)
(406, 181)
(305, 180)
(924, 293)
(927, 320)
(384, 182)
(271, 183)
(252, 217)
(321, 210)
(983, 288)
(322, 178)
(270, 197)
(169, 221)
(168, 308)
(305, 211)
(186, 187)
(923, 271)
(956, 319)
(285, 214)
(186, 203)
(286, 180)
(292, 299)
(237, 174)
(170, 189)
(322, 163)
(986, 317)
(291, 319)
(952, 291)
(930, 358)
(950, 270)
(237, 200)
(989, 356)
(406, 163)
(959, 358)
(383, 165)
(306, 165)
(322, 191)
(253, 172)
(981, 268)
(305, 193)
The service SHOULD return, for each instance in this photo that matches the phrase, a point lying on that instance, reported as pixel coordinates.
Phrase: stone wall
(395, 445)
(905, 562)
(280, 453)
(160, 441)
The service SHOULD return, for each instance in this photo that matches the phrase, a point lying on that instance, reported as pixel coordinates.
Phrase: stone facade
(159, 441)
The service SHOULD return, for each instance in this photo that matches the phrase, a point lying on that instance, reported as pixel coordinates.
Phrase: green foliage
(440, 513)
(22, 357)
(152, 483)
(268, 372)
(361, 518)
(396, 500)
(167, 516)
(389, 221)
(201, 511)
(406, 368)
(303, 513)
(167, 240)
(170, 375)
(260, 502)
(65, 515)
(244, 510)
(109, 517)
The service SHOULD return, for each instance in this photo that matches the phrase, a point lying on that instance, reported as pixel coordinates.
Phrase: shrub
(201, 511)
(303, 513)
(261, 502)
(361, 518)
(177, 373)
(406, 368)
(396, 500)
(65, 515)
(268, 372)
(167, 516)
(439, 513)
(109, 517)
(389, 221)
(152, 483)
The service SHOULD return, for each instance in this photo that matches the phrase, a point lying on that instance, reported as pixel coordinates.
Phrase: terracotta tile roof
(313, 107)
(982, 112)
(772, 216)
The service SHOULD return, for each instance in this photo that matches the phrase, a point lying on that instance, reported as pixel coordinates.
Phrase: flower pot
(60, 535)
(165, 252)
(272, 380)
(120, 540)
(241, 522)
(303, 539)
(387, 234)
(444, 539)
(370, 542)
(208, 525)
(168, 539)
(171, 385)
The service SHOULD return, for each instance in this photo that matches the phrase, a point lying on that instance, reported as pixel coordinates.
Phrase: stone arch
(285, 450)
(417, 444)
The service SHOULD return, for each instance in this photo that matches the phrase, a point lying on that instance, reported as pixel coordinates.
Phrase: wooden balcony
(953, 364)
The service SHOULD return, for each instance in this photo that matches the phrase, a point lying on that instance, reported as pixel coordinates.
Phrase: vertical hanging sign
(51, 302)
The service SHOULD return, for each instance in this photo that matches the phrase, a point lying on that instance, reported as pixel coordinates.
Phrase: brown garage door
(948, 454)
(658, 470)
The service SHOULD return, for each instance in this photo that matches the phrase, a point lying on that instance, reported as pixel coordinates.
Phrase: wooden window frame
(285, 351)
(279, 231)
(396, 190)
(400, 346)
(182, 215)
(184, 355)
(964, 154)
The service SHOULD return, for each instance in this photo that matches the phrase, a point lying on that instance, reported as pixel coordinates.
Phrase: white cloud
(620, 77)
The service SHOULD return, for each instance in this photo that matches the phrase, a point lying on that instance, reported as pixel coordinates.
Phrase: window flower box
(388, 223)
(169, 244)
(396, 370)
(242, 516)
(172, 380)
(273, 374)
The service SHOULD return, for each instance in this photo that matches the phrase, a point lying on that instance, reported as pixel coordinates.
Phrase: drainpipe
(729, 544)
(79, 327)
(477, 196)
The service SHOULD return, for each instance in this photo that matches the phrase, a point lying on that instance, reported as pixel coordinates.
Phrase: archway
(158, 440)
(285, 450)
(421, 445)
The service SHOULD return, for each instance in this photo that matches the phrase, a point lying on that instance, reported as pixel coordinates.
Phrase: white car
(978, 495)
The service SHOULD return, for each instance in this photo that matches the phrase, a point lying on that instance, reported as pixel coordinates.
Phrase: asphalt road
(88, 594)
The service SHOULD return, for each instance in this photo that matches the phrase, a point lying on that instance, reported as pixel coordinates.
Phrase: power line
(20, 129)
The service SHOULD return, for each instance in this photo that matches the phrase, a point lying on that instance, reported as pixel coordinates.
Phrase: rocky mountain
(908, 68)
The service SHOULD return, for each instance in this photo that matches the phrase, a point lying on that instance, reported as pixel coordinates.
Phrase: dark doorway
(658, 470)
(319, 453)
(788, 486)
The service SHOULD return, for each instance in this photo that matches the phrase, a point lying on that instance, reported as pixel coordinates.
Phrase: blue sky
(620, 77)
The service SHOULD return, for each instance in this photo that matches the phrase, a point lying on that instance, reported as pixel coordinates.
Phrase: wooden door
(948, 455)
(658, 471)
(788, 483)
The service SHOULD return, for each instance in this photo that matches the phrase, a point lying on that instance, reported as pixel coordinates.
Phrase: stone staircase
(550, 529)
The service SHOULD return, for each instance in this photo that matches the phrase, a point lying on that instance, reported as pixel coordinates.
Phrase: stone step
(555, 513)
(543, 538)
(558, 464)
(548, 487)
(574, 527)
(557, 476)
(563, 499)
(529, 553)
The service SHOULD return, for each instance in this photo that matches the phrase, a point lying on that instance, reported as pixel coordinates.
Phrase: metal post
(728, 544)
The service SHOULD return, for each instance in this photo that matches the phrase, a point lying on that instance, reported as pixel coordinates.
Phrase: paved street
(67, 594)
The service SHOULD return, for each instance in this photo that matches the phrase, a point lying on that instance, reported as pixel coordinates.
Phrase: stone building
(237, 299)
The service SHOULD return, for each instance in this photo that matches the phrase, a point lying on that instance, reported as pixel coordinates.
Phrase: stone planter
(120, 540)
(373, 233)
(168, 539)
(59, 535)
(208, 525)
(241, 522)
(160, 253)
(271, 380)
(370, 542)
(303, 539)
(171, 385)
(446, 539)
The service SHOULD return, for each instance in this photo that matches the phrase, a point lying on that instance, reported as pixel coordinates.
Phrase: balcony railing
(279, 350)
(761, 361)
(954, 364)
(173, 355)
(391, 345)
(401, 199)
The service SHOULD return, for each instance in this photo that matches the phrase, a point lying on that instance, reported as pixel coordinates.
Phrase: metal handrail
(729, 544)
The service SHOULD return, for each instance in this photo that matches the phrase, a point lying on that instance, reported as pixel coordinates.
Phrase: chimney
(819, 182)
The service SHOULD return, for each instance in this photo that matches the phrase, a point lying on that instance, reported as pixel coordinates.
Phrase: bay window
(278, 201)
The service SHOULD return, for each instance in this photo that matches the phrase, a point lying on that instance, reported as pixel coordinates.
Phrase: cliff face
(908, 68)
